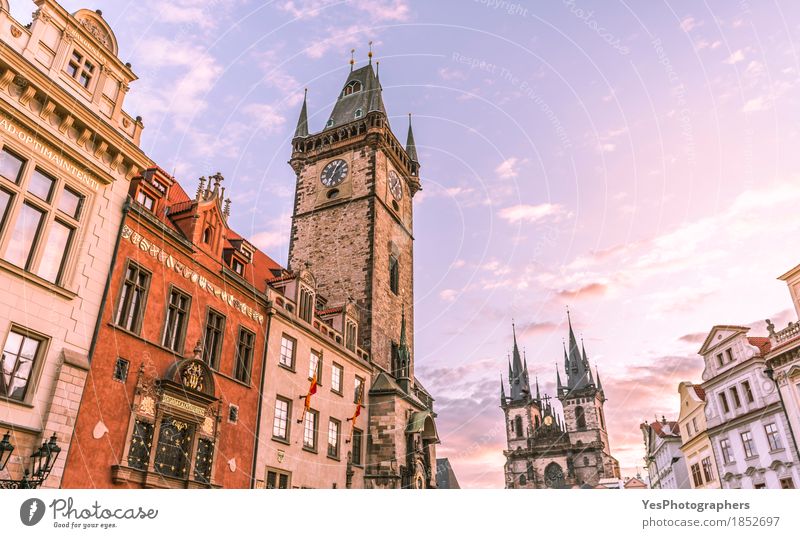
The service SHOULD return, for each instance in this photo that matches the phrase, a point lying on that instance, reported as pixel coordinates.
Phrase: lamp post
(770, 373)
(42, 461)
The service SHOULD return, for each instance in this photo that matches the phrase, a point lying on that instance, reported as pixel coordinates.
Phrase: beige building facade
(67, 153)
(696, 445)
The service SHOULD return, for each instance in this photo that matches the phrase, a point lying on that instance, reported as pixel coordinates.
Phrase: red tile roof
(761, 342)
(670, 429)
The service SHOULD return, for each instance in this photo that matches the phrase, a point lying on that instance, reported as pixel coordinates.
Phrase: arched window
(554, 476)
(352, 88)
(585, 461)
(536, 421)
(580, 418)
(207, 235)
(522, 480)
(518, 425)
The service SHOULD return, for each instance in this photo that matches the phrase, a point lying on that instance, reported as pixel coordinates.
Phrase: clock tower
(352, 227)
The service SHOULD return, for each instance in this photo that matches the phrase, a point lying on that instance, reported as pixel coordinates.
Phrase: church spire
(411, 145)
(597, 375)
(403, 355)
(538, 394)
(302, 122)
(502, 391)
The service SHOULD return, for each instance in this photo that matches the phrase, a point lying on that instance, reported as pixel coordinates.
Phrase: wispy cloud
(531, 214)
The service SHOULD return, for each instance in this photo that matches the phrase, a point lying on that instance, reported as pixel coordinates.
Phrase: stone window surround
(30, 163)
(143, 305)
(288, 402)
(38, 364)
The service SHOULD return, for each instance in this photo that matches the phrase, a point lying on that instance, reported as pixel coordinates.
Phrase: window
(358, 113)
(724, 401)
(145, 200)
(334, 426)
(694, 425)
(787, 483)
(689, 430)
(760, 486)
(580, 418)
(80, 68)
(708, 469)
(773, 436)
(212, 347)
(314, 366)
(310, 430)
(749, 445)
(735, 394)
(121, 369)
(358, 441)
(336, 378)
(16, 364)
(203, 461)
(174, 447)
(10, 166)
(141, 442)
(518, 426)
(233, 414)
(697, 477)
(522, 480)
(358, 387)
(244, 355)
(727, 451)
(175, 323)
(277, 479)
(305, 304)
(720, 360)
(748, 392)
(280, 424)
(729, 355)
(237, 266)
(207, 235)
(132, 297)
(394, 275)
(350, 336)
(351, 88)
(287, 351)
(45, 223)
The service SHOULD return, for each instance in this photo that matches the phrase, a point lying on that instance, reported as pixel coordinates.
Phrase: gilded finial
(370, 52)
(352, 58)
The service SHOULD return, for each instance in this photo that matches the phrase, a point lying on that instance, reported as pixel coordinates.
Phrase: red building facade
(172, 396)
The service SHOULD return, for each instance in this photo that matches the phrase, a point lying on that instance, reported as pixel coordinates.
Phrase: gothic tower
(582, 400)
(352, 226)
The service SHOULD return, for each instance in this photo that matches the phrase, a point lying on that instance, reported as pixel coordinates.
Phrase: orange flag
(357, 412)
(312, 390)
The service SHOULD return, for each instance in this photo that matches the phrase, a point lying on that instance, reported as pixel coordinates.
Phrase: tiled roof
(761, 342)
(668, 429)
(701, 393)
(333, 310)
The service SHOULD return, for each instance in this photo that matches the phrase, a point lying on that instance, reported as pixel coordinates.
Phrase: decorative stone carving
(97, 32)
(16, 32)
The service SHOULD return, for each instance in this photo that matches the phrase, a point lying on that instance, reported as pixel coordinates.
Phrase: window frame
(726, 408)
(246, 376)
(37, 363)
(315, 431)
(80, 69)
(748, 391)
(337, 388)
(180, 340)
(394, 274)
(773, 437)
(359, 384)
(137, 322)
(51, 216)
(708, 469)
(313, 353)
(288, 426)
(356, 454)
(213, 358)
(279, 473)
(727, 451)
(749, 444)
(336, 453)
(697, 476)
(293, 359)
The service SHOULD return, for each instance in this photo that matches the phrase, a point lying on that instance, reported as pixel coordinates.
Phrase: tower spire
(502, 391)
(302, 122)
(352, 59)
(370, 53)
(411, 145)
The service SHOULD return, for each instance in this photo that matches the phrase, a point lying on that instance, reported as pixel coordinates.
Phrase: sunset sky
(638, 163)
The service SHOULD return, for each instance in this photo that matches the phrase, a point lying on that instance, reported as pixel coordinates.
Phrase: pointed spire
(502, 391)
(403, 353)
(370, 53)
(352, 59)
(597, 375)
(559, 386)
(411, 145)
(302, 122)
(538, 394)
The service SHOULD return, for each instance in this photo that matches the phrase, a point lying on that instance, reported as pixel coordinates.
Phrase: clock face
(334, 173)
(395, 185)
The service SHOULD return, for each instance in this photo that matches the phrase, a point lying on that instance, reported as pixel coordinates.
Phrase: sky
(635, 161)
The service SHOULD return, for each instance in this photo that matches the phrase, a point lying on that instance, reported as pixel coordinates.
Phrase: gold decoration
(193, 377)
(16, 32)
(208, 426)
(147, 406)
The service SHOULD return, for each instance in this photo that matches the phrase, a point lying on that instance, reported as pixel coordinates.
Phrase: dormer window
(305, 304)
(237, 266)
(350, 335)
(330, 123)
(81, 69)
(145, 200)
(352, 88)
(359, 113)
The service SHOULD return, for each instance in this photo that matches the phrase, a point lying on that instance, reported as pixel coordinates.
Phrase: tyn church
(544, 449)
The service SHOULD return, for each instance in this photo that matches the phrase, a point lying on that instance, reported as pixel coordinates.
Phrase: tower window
(80, 68)
(351, 88)
(394, 274)
(207, 235)
(580, 418)
(305, 305)
(518, 426)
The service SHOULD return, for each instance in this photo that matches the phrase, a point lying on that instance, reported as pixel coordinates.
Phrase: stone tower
(353, 228)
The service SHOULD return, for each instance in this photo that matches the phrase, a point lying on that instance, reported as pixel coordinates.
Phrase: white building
(663, 456)
(699, 455)
(746, 424)
(67, 152)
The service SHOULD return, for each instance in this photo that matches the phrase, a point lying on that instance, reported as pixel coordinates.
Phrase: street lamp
(42, 462)
(6, 448)
(770, 373)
